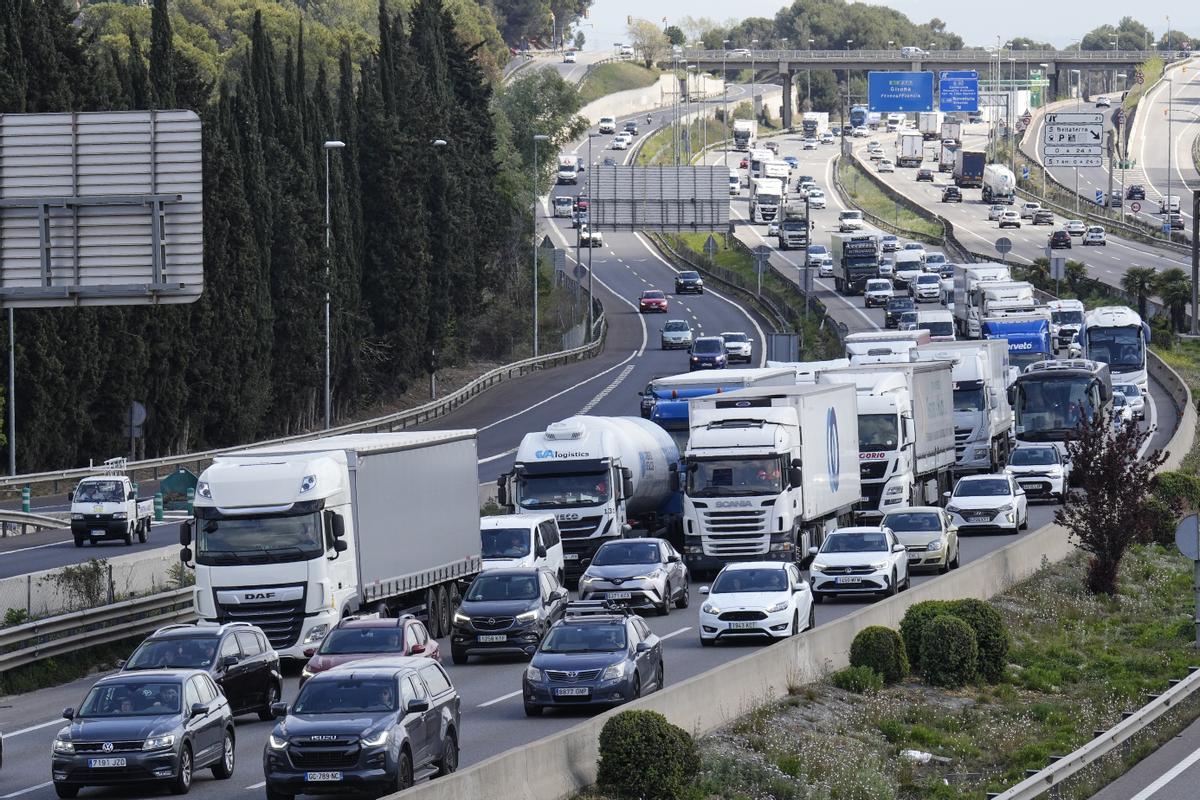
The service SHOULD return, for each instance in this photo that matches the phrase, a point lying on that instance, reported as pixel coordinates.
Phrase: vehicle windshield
(1127, 389)
(677, 325)
(1049, 408)
(795, 225)
(564, 491)
(1119, 400)
(878, 286)
(738, 581)
(1121, 348)
(929, 279)
(850, 215)
(934, 258)
(865, 542)
(652, 295)
(969, 398)
(1023, 359)
(727, 477)
(708, 346)
(566, 637)
(149, 699)
(346, 696)
(488, 587)
(914, 246)
(689, 276)
(900, 303)
(1033, 456)
(940, 328)
(100, 492)
(984, 487)
(505, 542)
(876, 432)
(362, 640)
(278, 537)
(626, 553)
(912, 522)
(174, 653)
(817, 250)
(735, 337)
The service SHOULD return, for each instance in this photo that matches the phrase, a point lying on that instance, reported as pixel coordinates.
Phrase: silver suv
(641, 573)
(677, 333)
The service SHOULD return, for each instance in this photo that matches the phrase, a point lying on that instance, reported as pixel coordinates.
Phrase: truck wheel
(433, 611)
(143, 531)
(443, 601)
(129, 537)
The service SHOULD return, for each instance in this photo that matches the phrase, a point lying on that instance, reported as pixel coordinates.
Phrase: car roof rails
(399, 620)
(593, 608)
(174, 627)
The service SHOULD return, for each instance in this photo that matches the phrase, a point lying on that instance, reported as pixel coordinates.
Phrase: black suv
(894, 308)
(951, 194)
(1060, 240)
(925, 175)
(689, 281)
(374, 726)
(159, 725)
(631, 127)
(506, 611)
(1135, 192)
(236, 655)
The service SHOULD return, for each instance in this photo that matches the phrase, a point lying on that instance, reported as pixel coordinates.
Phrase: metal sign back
(1185, 536)
(625, 198)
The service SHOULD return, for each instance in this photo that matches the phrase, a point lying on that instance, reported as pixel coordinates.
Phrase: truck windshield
(505, 542)
(741, 477)
(1066, 317)
(564, 491)
(1048, 409)
(1121, 348)
(876, 432)
(234, 540)
(968, 399)
(937, 328)
(99, 492)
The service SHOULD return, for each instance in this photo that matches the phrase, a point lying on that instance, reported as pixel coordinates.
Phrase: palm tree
(1138, 281)
(1175, 289)
(1076, 272)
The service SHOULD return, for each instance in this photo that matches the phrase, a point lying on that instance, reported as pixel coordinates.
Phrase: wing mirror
(812, 551)
(185, 533)
(946, 495)
(132, 495)
(340, 546)
(703, 590)
(643, 647)
(416, 650)
(68, 713)
(229, 661)
(898, 548)
(540, 552)
(418, 706)
(502, 490)
(560, 593)
(279, 710)
(71, 496)
(199, 709)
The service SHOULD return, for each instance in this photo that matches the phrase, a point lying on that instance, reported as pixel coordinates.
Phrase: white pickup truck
(107, 507)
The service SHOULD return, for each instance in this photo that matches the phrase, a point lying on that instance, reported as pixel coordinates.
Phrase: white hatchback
(756, 599)
(1133, 394)
(988, 503)
(1095, 235)
(859, 560)
(816, 198)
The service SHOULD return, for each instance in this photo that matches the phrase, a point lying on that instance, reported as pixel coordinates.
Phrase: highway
(1170, 773)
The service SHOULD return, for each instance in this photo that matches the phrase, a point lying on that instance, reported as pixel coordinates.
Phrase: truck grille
(579, 528)
(871, 493)
(729, 534)
(961, 435)
(872, 470)
(281, 622)
(735, 521)
(324, 757)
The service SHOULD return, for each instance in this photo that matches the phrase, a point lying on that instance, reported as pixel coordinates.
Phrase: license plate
(322, 776)
(739, 625)
(619, 595)
(572, 691)
(979, 519)
(97, 533)
(96, 763)
(849, 579)
(570, 556)
(492, 637)
(914, 556)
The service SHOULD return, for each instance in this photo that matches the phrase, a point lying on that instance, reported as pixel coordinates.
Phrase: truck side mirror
(185, 533)
(502, 490)
(185, 555)
(626, 482)
(340, 546)
(795, 477)
(71, 496)
(1012, 395)
(132, 495)
(673, 469)
(338, 526)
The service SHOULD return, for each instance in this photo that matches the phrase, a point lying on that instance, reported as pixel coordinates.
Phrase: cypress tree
(162, 57)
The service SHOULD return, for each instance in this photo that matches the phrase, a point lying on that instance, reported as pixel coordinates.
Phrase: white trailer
(884, 347)
(929, 123)
(967, 278)
(910, 149)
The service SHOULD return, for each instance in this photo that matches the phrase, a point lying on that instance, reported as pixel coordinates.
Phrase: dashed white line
(258, 785)
(32, 728)
(500, 699)
(674, 633)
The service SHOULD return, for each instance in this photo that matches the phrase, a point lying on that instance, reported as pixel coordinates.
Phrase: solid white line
(1168, 776)
(32, 728)
(258, 785)
(32, 547)
(498, 456)
(499, 699)
(675, 633)
(20, 792)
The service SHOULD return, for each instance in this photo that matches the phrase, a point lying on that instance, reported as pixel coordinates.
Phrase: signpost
(1135, 206)
(1004, 247)
(1099, 197)
(710, 247)
(900, 91)
(1058, 269)
(958, 90)
(1187, 539)
(762, 256)
(1074, 139)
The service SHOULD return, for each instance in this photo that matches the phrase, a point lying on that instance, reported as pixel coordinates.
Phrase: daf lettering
(259, 595)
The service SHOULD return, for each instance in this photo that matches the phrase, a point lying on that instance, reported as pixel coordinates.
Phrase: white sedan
(995, 211)
(859, 560)
(619, 143)
(825, 270)
(773, 228)
(810, 144)
(1094, 235)
(929, 535)
(1040, 470)
(756, 599)
(886, 165)
(988, 503)
(1133, 394)
(1075, 227)
(816, 198)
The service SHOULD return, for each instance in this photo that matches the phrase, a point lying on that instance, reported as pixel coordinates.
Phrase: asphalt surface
(1172, 772)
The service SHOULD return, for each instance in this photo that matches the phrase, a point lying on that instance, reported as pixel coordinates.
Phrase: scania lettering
(1117, 336)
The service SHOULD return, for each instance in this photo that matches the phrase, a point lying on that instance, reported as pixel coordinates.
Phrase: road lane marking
(33, 728)
(258, 785)
(674, 633)
(1167, 776)
(498, 456)
(606, 390)
(500, 699)
(27, 790)
(34, 547)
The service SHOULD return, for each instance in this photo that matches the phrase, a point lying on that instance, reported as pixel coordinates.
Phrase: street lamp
(537, 137)
(1115, 41)
(753, 82)
(725, 94)
(332, 144)
(808, 73)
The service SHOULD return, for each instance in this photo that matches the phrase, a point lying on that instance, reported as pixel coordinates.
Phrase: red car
(581, 204)
(652, 300)
(745, 162)
(356, 638)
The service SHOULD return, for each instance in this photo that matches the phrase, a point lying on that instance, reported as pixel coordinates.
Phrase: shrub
(949, 652)
(859, 680)
(1178, 490)
(882, 650)
(990, 635)
(643, 756)
(1158, 521)
(14, 617)
(913, 623)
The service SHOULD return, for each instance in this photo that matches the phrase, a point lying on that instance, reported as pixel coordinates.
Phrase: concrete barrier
(656, 95)
(1185, 410)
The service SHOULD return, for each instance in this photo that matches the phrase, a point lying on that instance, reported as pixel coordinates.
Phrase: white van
(563, 205)
(1169, 204)
(735, 182)
(608, 124)
(522, 540)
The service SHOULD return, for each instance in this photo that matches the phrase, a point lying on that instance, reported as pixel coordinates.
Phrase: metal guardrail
(765, 57)
(399, 420)
(23, 521)
(78, 630)
(1063, 768)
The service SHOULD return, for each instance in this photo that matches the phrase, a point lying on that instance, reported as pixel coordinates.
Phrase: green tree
(1175, 289)
(1139, 282)
(674, 35)
(649, 41)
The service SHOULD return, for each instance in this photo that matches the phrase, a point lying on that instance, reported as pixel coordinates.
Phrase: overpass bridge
(782, 66)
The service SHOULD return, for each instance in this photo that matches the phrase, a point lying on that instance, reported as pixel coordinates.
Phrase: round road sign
(1135, 206)
(1003, 245)
(1185, 537)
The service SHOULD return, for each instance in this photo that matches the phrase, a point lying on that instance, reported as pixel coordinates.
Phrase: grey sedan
(677, 333)
(642, 573)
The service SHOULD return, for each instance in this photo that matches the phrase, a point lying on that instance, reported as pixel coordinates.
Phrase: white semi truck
(601, 477)
(905, 432)
(106, 506)
(755, 486)
(884, 347)
(766, 199)
(929, 123)
(967, 278)
(999, 184)
(745, 132)
(983, 419)
(295, 537)
(910, 149)
(952, 129)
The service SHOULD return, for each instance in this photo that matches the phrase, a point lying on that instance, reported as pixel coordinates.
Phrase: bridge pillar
(1052, 77)
(788, 82)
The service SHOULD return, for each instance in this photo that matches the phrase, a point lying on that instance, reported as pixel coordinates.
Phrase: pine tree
(162, 57)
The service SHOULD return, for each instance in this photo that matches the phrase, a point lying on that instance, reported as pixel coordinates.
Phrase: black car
(894, 308)
(1060, 240)
(951, 194)
(236, 655)
(506, 611)
(1135, 192)
(156, 726)
(708, 352)
(373, 727)
(1043, 216)
(925, 175)
(631, 127)
(689, 281)
(609, 161)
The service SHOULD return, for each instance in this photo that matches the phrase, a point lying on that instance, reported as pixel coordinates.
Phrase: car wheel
(812, 617)
(685, 597)
(818, 598)
(957, 553)
(128, 538)
(637, 686)
(1025, 521)
(264, 713)
(66, 790)
(223, 769)
(661, 680)
(664, 608)
(143, 530)
(532, 710)
(892, 589)
(183, 779)
(404, 771)
(944, 568)
(795, 623)
(449, 762)
(458, 656)
(79, 542)
(707, 642)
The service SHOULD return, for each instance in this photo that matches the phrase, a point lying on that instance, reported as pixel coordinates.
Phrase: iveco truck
(767, 472)
(295, 537)
(855, 260)
(983, 420)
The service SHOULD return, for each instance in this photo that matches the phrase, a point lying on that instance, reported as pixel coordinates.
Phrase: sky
(1060, 22)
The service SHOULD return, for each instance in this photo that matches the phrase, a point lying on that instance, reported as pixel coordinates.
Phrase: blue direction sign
(900, 91)
(1024, 173)
(1099, 197)
(958, 90)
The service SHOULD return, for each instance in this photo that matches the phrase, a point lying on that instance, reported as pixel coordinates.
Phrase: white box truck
(905, 432)
(106, 506)
(884, 347)
(929, 123)
(756, 487)
(910, 149)
(569, 168)
(294, 537)
(967, 278)
(983, 419)
(952, 129)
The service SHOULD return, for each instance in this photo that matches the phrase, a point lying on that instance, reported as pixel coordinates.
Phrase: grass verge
(870, 198)
(659, 148)
(1152, 69)
(64, 669)
(1184, 358)
(616, 77)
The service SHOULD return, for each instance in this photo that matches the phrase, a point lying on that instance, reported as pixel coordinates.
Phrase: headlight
(934, 546)
(307, 672)
(316, 633)
(378, 739)
(817, 566)
(953, 510)
(119, 515)
(204, 490)
(649, 576)
(695, 360)
(159, 742)
(276, 743)
(894, 490)
(64, 746)
(533, 674)
(781, 547)
(461, 618)
(1055, 472)
(878, 565)
(709, 608)
(1006, 507)
(614, 671)
(586, 579)
(77, 516)
(527, 616)
(780, 606)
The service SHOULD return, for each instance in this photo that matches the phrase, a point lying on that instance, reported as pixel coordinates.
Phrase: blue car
(598, 655)
(708, 352)
(792, 161)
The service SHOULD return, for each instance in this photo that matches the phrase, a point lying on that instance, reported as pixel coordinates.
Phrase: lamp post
(725, 95)
(537, 137)
(808, 74)
(330, 145)
(753, 82)
(438, 145)
(591, 320)
(1170, 113)
(1011, 102)
(1116, 39)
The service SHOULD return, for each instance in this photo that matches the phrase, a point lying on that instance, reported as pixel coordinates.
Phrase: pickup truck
(107, 507)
